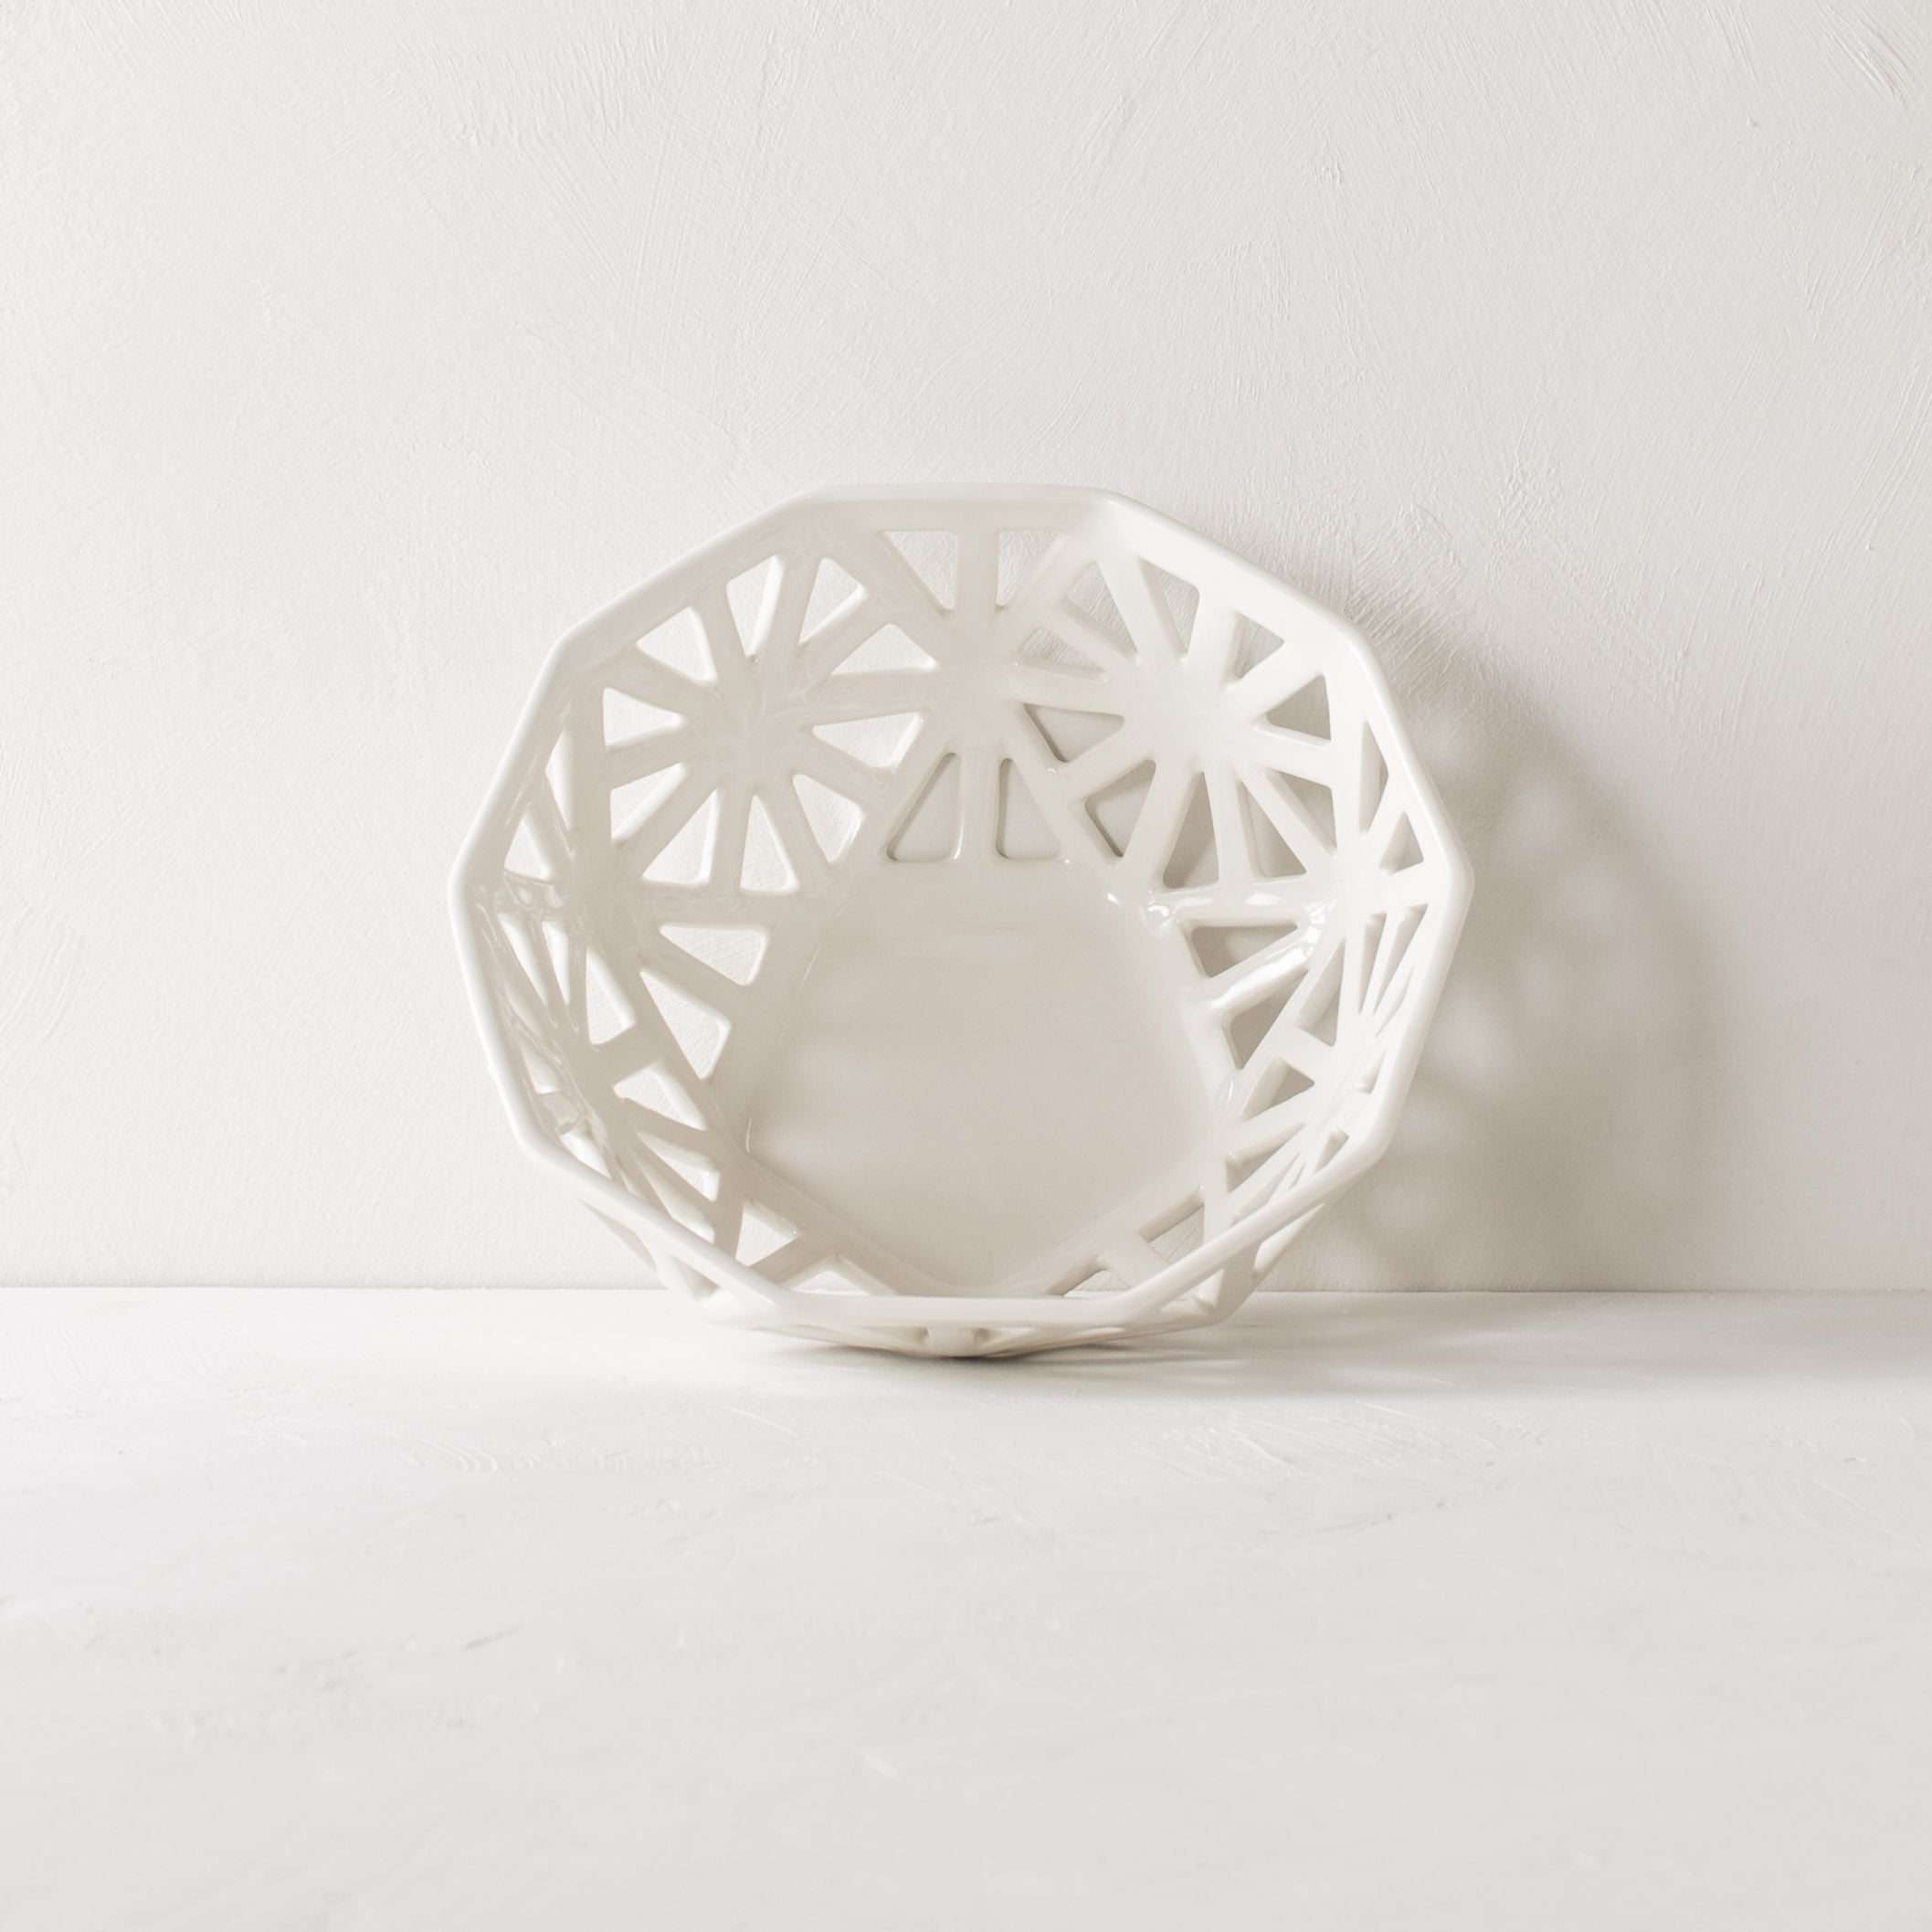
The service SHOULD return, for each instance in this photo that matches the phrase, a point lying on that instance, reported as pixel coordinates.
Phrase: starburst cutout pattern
(710, 770)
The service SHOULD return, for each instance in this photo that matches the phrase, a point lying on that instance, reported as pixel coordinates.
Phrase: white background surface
(1584, 355)
(399, 1611)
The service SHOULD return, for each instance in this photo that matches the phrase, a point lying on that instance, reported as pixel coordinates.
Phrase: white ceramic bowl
(962, 922)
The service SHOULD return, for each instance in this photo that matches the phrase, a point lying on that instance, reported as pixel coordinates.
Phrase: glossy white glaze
(1002, 897)
(982, 1063)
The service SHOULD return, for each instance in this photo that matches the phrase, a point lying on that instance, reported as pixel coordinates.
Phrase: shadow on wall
(1554, 1135)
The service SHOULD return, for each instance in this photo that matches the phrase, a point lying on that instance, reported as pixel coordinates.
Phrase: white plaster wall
(1582, 354)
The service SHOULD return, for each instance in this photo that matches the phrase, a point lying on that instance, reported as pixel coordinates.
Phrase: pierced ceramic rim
(962, 1324)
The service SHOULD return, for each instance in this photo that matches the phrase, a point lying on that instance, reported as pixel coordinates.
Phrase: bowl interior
(960, 896)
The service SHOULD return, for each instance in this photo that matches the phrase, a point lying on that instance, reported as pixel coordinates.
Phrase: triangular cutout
(556, 943)
(934, 557)
(1245, 1166)
(1179, 1230)
(832, 818)
(685, 858)
(834, 589)
(632, 805)
(1194, 862)
(1020, 554)
(681, 1211)
(762, 1233)
(1273, 856)
(1282, 1085)
(655, 1089)
(700, 1033)
(1088, 593)
(1305, 710)
(735, 951)
(880, 742)
(1180, 597)
(767, 866)
(1101, 1280)
(691, 1167)
(1249, 1027)
(559, 773)
(607, 1009)
(1375, 777)
(1115, 809)
(526, 857)
(1023, 830)
(1403, 850)
(1253, 645)
(679, 643)
(827, 1281)
(1316, 802)
(1362, 957)
(932, 826)
(543, 1077)
(1067, 734)
(1219, 949)
(628, 720)
(752, 596)
(1321, 1018)
(515, 932)
(888, 649)
(583, 1145)
(1396, 944)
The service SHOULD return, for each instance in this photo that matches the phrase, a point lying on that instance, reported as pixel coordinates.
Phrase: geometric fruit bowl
(961, 921)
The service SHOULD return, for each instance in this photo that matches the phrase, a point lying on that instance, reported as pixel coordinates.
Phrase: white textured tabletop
(382, 1611)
